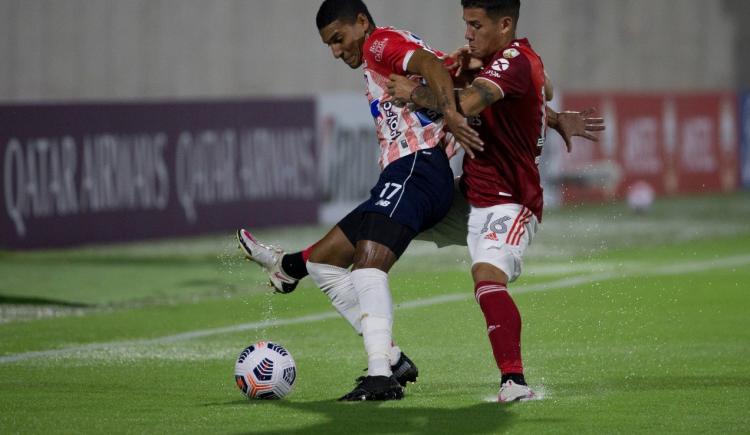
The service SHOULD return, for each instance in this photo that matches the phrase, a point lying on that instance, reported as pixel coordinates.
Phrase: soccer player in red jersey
(506, 102)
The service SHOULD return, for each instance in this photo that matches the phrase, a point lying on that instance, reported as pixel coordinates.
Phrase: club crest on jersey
(510, 53)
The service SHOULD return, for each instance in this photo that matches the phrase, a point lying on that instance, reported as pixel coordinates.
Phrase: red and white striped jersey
(401, 130)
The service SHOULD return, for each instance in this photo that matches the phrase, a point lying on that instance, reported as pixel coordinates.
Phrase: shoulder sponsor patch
(510, 53)
(501, 65)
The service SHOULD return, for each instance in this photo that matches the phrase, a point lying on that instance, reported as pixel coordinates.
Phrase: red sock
(306, 252)
(503, 325)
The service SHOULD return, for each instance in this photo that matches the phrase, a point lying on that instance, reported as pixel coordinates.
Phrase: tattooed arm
(427, 65)
(471, 100)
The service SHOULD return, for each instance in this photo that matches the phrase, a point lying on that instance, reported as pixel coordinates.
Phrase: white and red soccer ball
(640, 196)
(265, 370)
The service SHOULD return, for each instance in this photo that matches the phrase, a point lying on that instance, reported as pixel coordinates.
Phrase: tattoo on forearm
(486, 95)
(445, 102)
(424, 97)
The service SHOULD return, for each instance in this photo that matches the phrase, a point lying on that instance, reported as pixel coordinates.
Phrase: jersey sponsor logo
(391, 119)
(377, 48)
(501, 65)
(511, 53)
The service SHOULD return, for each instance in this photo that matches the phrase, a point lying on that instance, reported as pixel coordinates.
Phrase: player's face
(346, 40)
(485, 35)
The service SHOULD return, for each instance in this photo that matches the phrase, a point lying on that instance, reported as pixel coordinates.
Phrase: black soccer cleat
(405, 370)
(375, 388)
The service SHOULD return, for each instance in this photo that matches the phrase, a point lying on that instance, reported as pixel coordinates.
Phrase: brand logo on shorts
(383, 203)
(491, 236)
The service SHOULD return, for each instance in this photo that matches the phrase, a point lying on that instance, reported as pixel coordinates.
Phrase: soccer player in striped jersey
(413, 193)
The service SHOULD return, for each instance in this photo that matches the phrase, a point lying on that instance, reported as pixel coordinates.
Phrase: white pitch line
(696, 266)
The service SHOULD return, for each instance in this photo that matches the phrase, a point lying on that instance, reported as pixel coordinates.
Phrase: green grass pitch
(632, 323)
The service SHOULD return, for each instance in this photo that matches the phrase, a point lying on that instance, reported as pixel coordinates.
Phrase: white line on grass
(680, 268)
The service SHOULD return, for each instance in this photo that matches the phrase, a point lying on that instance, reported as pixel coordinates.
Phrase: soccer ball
(640, 196)
(265, 370)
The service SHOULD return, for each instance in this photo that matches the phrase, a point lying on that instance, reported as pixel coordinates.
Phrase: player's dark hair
(496, 9)
(345, 11)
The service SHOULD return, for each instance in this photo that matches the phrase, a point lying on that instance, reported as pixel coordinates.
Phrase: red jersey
(513, 130)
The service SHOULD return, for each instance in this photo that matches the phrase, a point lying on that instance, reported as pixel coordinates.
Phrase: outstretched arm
(570, 124)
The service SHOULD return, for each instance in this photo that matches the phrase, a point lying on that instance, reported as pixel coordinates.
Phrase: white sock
(394, 355)
(376, 306)
(336, 283)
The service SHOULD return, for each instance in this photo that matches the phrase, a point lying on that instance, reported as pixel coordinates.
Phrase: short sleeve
(391, 51)
(511, 71)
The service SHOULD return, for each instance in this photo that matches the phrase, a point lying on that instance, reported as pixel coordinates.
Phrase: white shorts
(499, 236)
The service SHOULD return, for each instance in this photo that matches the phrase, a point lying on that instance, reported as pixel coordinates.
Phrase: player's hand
(400, 89)
(463, 61)
(466, 136)
(581, 124)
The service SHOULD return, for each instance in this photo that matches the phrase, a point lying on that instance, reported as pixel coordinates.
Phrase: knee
(334, 255)
(325, 275)
(373, 255)
(486, 272)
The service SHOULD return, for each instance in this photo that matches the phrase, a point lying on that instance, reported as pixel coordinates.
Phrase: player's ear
(506, 24)
(362, 20)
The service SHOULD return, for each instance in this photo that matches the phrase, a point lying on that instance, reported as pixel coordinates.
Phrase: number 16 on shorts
(499, 235)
